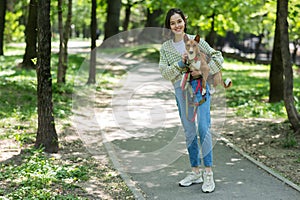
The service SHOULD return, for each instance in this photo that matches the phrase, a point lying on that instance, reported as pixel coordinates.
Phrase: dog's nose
(191, 52)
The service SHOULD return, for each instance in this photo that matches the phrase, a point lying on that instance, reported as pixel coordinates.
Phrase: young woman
(171, 64)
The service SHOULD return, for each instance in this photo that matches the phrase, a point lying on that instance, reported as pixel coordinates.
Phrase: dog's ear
(197, 38)
(185, 38)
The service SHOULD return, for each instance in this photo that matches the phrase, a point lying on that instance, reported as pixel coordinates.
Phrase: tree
(276, 70)
(152, 21)
(92, 71)
(128, 7)
(113, 18)
(292, 113)
(2, 23)
(46, 133)
(64, 33)
(31, 36)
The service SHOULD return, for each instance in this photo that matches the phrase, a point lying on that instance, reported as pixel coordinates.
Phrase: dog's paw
(228, 82)
(212, 90)
(203, 92)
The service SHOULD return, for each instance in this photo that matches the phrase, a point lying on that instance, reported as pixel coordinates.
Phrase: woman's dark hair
(170, 13)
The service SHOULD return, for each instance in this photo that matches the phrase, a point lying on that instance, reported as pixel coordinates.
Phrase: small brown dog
(197, 61)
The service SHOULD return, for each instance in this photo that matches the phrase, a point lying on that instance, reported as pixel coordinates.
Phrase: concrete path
(144, 139)
(235, 177)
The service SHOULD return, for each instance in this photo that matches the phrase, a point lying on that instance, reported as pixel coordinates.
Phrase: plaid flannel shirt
(169, 58)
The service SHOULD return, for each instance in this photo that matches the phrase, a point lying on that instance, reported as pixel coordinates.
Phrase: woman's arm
(169, 70)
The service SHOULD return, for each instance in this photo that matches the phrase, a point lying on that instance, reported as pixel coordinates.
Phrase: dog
(196, 60)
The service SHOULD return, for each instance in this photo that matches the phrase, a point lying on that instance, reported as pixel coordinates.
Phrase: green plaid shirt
(169, 58)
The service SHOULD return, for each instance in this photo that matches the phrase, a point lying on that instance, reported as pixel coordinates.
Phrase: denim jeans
(203, 121)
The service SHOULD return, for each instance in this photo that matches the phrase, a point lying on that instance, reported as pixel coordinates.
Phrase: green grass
(32, 174)
(40, 177)
(250, 92)
(36, 176)
(18, 99)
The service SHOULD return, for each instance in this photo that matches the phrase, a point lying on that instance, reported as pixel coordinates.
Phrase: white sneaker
(191, 179)
(208, 182)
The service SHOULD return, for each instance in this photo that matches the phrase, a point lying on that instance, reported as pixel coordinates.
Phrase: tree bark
(257, 47)
(46, 133)
(113, 18)
(152, 21)
(127, 16)
(64, 34)
(2, 24)
(67, 31)
(92, 70)
(31, 37)
(276, 70)
(211, 37)
(292, 113)
(60, 78)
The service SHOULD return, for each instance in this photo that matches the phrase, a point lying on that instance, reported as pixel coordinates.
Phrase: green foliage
(14, 31)
(36, 175)
(290, 140)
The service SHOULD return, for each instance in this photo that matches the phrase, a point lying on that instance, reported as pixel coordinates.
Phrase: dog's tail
(227, 83)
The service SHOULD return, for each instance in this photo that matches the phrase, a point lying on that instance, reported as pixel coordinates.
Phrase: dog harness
(188, 88)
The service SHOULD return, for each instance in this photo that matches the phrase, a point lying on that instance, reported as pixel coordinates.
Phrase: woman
(171, 64)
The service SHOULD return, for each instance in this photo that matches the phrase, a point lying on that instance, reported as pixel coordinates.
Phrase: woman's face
(177, 24)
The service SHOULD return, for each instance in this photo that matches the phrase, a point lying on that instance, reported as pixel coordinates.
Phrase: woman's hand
(196, 73)
(184, 58)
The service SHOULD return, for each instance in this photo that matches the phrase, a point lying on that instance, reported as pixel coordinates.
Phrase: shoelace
(208, 178)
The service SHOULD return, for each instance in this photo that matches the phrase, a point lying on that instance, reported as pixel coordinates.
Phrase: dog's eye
(188, 46)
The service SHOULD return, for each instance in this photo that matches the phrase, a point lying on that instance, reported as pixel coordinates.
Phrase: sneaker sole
(195, 182)
(208, 191)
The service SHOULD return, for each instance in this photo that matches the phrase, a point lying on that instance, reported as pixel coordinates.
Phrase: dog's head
(192, 46)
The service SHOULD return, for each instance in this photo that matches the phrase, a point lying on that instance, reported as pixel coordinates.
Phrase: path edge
(260, 164)
(132, 185)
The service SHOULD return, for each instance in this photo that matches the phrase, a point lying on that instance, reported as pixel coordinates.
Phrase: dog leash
(185, 95)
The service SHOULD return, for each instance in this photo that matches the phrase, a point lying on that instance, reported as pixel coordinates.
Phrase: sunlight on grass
(250, 92)
(38, 174)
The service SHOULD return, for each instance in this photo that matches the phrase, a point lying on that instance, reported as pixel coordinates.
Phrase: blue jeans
(203, 122)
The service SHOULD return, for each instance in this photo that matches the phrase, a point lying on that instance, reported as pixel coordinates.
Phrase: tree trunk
(212, 34)
(2, 24)
(67, 31)
(276, 71)
(127, 16)
(257, 47)
(113, 18)
(152, 21)
(60, 78)
(293, 115)
(31, 37)
(64, 34)
(46, 133)
(92, 71)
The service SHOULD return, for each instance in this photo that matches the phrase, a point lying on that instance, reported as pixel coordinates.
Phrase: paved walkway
(143, 137)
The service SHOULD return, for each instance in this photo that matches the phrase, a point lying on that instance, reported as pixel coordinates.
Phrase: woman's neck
(178, 38)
